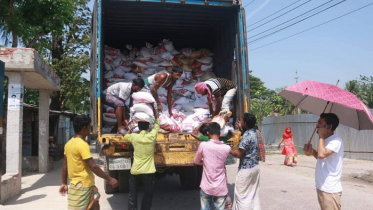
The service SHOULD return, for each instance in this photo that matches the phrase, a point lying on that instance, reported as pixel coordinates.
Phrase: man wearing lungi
(223, 90)
(246, 190)
(79, 165)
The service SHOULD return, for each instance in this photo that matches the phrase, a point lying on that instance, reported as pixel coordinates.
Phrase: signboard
(15, 100)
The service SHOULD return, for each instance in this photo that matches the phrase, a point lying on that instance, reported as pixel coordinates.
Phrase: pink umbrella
(313, 96)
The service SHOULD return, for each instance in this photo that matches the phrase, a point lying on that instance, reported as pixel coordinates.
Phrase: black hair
(143, 126)
(139, 82)
(204, 128)
(331, 119)
(250, 120)
(80, 121)
(214, 128)
(177, 69)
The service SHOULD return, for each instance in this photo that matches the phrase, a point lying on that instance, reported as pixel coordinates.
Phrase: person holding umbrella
(329, 164)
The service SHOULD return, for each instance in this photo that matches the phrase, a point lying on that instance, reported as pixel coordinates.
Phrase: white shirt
(329, 170)
(121, 90)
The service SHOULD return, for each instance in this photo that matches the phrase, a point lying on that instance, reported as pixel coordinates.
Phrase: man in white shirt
(329, 164)
(116, 96)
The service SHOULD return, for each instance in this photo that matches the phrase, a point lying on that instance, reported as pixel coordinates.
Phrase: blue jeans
(206, 201)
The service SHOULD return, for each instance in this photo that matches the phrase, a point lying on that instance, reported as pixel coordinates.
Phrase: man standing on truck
(212, 155)
(246, 190)
(143, 167)
(79, 165)
(116, 96)
(165, 80)
(223, 89)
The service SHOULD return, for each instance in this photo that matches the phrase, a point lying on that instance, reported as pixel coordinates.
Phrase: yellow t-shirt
(76, 152)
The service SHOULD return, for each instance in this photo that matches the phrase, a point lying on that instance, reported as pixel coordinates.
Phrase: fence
(357, 144)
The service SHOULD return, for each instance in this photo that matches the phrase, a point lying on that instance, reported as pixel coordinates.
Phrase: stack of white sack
(145, 61)
(141, 110)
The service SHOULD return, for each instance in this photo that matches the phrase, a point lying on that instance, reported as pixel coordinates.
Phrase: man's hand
(159, 107)
(239, 126)
(113, 182)
(63, 189)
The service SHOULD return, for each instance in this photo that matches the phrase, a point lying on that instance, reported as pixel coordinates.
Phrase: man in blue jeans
(212, 155)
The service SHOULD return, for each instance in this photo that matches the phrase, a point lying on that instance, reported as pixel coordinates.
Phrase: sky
(340, 50)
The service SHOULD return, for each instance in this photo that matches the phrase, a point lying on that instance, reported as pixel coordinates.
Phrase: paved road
(281, 187)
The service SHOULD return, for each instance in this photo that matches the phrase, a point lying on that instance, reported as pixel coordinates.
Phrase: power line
(249, 3)
(279, 15)
(314, 27)
(295, 22)
(272, 14)
(291, 19)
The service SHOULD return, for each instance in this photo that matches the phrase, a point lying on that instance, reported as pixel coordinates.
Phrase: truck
(218, 25)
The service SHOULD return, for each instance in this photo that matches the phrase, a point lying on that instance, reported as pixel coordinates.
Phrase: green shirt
(143, 144)
(224, 139)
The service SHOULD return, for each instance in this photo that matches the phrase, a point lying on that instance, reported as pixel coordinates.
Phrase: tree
(60, 31)
(363, 89)
(30, 20)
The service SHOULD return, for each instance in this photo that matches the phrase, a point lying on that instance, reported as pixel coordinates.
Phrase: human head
(248, 121)
(204, 128)
(213, 129)
(329, 121)
(287, 129)
(137, 84)
(82, 124)
(50, 139)
(143, 126)
(176, 73)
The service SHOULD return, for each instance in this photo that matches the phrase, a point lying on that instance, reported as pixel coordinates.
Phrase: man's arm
(63, 187)
(98, 171)
(219, 101)
(322, 151)
(169, 98)
(238, 153)
(198, 158)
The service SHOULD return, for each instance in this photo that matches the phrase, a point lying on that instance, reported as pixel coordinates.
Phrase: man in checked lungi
(80, 166)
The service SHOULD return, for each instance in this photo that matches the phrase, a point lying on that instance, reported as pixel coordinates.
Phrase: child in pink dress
(288, 150)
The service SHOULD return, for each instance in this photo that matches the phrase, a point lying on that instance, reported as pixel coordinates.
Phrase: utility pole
(296, 80)
(296, 76)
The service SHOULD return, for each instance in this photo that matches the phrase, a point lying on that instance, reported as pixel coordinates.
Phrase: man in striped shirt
(223, 90)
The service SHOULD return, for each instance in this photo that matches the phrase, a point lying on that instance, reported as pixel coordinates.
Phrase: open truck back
(215, 25)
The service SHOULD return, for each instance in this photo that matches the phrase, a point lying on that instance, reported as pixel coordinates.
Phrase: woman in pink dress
(289, 149)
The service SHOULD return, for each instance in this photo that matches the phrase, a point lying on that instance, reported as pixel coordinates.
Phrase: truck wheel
(108, 188)
(188, 177)
(199, 176)
(124, 181)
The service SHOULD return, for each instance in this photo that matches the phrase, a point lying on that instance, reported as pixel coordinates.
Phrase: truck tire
(189, 177)
(199, 176)
(124, 181)
(108, 188)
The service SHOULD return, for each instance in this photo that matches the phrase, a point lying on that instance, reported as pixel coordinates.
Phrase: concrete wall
(355, 142)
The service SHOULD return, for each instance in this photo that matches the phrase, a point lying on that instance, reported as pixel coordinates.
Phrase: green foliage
(60, 31)
(363, 89)
(31, 21)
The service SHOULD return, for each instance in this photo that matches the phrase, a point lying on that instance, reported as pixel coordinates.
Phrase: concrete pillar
(43, 131)
(13, 172)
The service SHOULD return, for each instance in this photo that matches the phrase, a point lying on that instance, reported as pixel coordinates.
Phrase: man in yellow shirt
(143, 167)
(79, 165)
